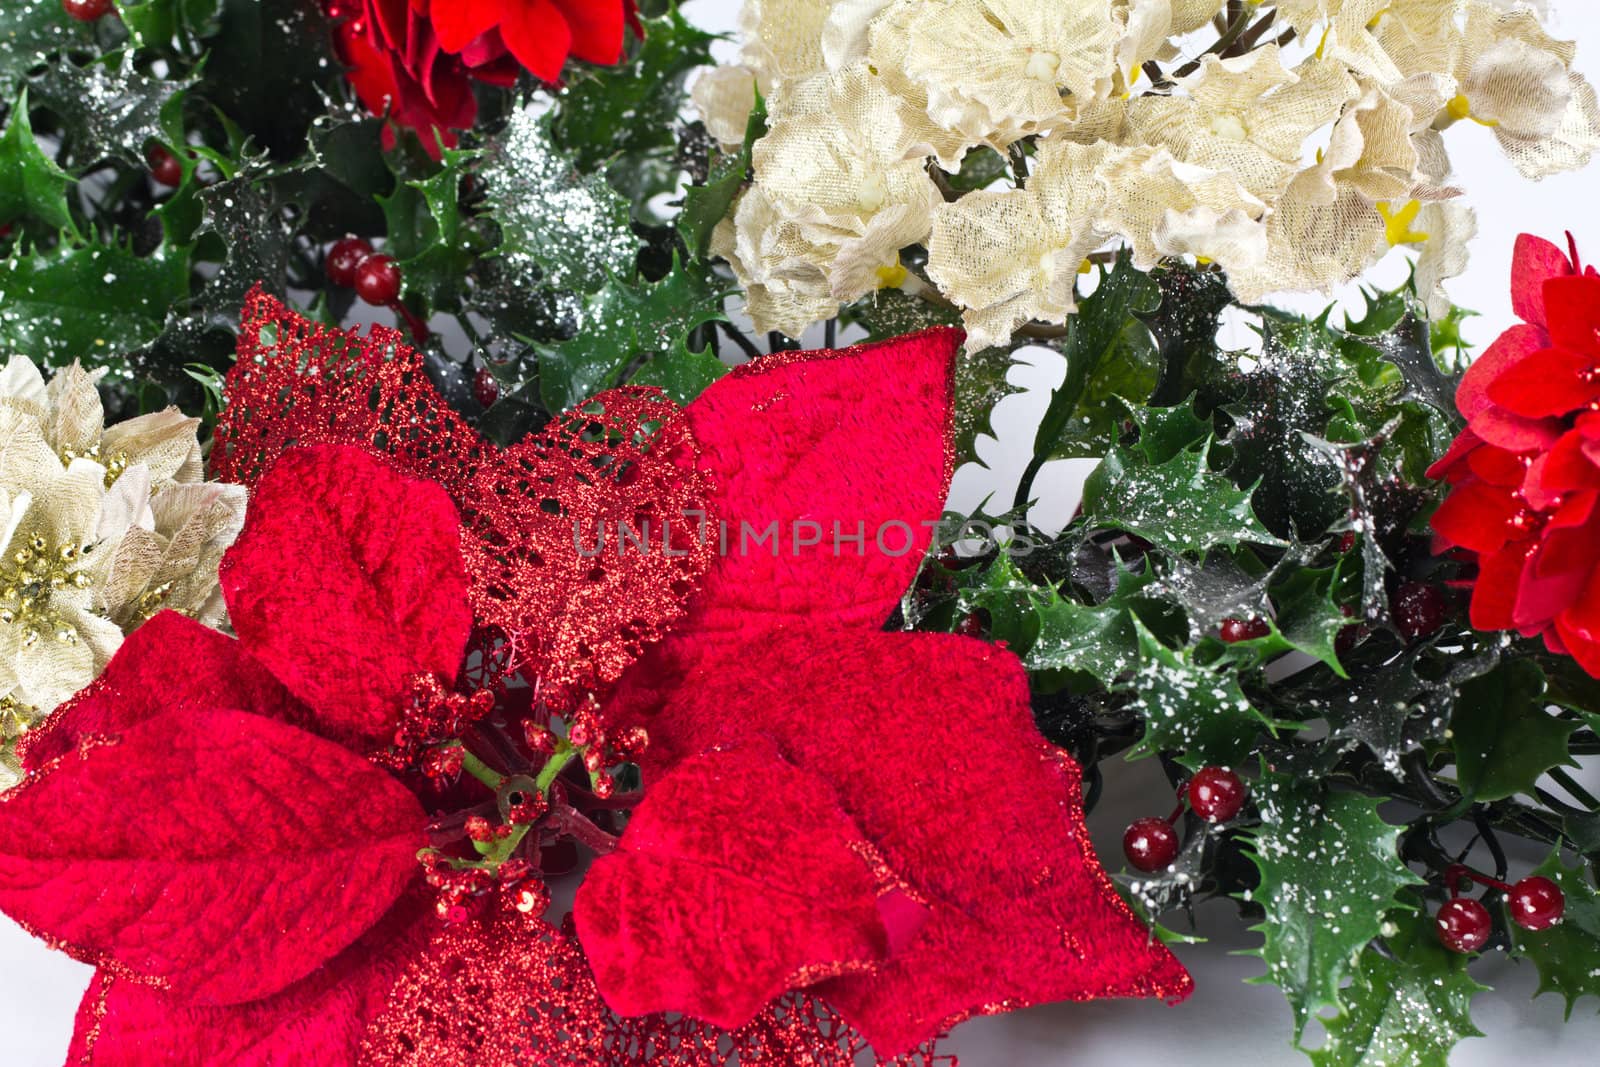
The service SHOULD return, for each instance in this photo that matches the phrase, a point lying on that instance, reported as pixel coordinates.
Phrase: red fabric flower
(868, 818)
(1525, 474)
(413, 60)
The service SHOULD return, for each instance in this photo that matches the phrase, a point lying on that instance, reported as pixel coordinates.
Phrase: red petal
(1565, 467)
(459, 22)
(1494, 594)
(226, 854)
(1476, 515)
(1572, 306)
(538, 36)
(596, 27)
(170, 664)
(1581, 646)
(1550, 382)
(1449, 466)
(1497, 466)
(1020, 911)
(318, 1020)
(1533, 262)
(347, 580)
(750, 880)
(798, 444)
(1509, 349)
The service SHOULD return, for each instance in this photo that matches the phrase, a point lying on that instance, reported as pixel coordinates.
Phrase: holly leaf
(1181, 505)
(558, 224)
(111, 111)
(425, 230)
(682, 375)
(1109, 353)
(1503, 737)
(94, 302)
(1196, 711)
(621, 323)
(31, 31)
(1410, 1006)
(633, 106)
(1568, 953)
(243, 797)
(1309, 619)
(1165, 432)
(31, 185)
(248, 217)
(707, 204)
(163, 24)
(1053, 633)
(283, 37)
(1330, 873)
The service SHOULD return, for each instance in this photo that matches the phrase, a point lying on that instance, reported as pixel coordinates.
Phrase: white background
(1226, 1023)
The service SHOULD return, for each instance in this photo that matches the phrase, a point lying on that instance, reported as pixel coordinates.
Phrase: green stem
(481, 770)
(563, 755)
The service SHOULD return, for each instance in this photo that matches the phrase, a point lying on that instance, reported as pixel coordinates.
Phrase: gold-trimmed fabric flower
(103, 527)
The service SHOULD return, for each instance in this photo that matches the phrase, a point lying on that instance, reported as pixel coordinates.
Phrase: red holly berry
(378, 280)
(345, 258)
(1463, 925)
(1419, 609)
(1347, 542)
(1216, 794)
(164, 166)
(485, 389)
(87, 10)
(1150, 844)
(1251, 629)
(1537, 903)
(970, 625)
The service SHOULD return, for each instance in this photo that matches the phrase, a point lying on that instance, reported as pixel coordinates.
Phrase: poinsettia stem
(481, 770)
(563, 755)
(570, 822)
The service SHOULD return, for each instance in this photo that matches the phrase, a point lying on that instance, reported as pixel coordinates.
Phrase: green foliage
(709, 202)
(1568, 953)
(1330, 875)
(427, 232)
(108, 110)
(94, 303)
(31, 185)
(1189, 708)
(30, 32)
(1504, 739)
(1180, 504)
(1410, 1005)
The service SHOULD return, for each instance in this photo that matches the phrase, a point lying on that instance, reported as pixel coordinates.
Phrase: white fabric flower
(724, 97)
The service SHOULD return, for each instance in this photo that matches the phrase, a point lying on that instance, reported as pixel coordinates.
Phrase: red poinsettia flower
(413, 60)
(1525, 474)
(869, 817)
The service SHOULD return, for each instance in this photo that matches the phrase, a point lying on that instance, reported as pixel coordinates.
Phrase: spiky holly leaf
(109, 110)
(1053, 633)
(1568, 953)
(1330, 873)
(1410, 1007)
(1110, 354)
(426, 233)
(30, 32)
(248, 216)
(982, 377)
(1185, 324)
(624, 322)
(1220, 586)
(1195, 711)
(94, 302)
(682, 375)
(163, 24)
(559, 226)
(1309, 617)
(31, 185)
(1166, 431)
(1504, 739)
(633, 106)
(1181, 505)
(707, 204)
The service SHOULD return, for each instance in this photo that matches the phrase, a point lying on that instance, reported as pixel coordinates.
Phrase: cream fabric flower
(997, 70)
(779, 268)
(1162, 206)
(782, 39)
(724, 97)
(103, 527)
(1448, 226)
(1249, 116)
(1008, 257)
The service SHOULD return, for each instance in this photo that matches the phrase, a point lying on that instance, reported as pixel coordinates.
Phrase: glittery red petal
(1534, 261)
(317, 1021)
(818, 447)
(738, 878)
(513, 991)
(170, 664)
(346, 581)
(221, 853)
(975, 814)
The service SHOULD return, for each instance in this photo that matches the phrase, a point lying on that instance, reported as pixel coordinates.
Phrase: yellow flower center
(1042, 66)
(29, 579)
(114, 464)
(1397, 224)
(1461, 108)
(892, 276)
